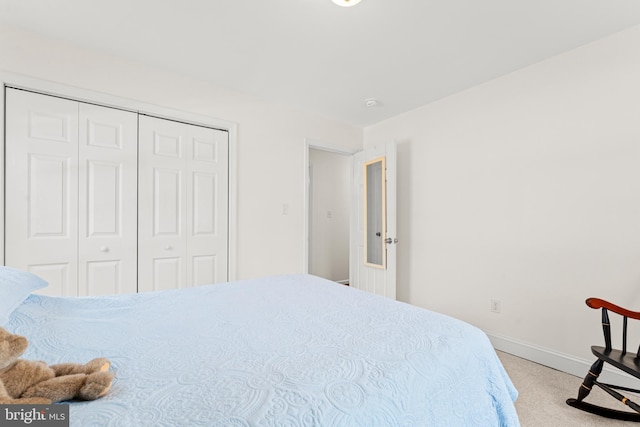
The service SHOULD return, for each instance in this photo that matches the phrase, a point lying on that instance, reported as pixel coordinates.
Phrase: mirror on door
(375, 213)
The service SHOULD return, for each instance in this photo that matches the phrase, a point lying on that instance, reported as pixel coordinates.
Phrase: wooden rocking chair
(628, 362)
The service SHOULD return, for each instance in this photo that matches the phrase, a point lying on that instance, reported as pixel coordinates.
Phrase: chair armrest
(600, 303)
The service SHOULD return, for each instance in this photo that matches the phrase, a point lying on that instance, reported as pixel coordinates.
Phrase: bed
(293, 350)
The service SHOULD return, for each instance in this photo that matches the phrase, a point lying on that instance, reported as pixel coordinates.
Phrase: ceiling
(322, 58)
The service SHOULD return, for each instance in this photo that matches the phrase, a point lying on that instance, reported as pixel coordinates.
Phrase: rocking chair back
(618, 358)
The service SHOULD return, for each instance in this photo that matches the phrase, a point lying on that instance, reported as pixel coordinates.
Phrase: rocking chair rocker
(627, 362)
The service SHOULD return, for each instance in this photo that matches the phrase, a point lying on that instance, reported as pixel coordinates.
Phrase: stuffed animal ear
(11, 347)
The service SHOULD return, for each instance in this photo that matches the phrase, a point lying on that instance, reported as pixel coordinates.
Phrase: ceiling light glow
(346, 3)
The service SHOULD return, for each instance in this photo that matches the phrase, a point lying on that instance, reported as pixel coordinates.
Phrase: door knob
(168, 247)
(104, 249)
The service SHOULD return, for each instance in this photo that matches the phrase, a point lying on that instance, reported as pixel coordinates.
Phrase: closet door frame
(89, 96)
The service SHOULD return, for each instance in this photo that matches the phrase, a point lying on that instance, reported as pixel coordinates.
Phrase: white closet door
(183, 204)
(207, 205)
(108, 169)
(41, 232)
(71, 196)
(161, 205)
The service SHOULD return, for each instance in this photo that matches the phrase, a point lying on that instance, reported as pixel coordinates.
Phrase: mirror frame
(383, 207)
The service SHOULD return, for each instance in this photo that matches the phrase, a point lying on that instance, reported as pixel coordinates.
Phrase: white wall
(271, 138)
(526, 189)
(330, 213)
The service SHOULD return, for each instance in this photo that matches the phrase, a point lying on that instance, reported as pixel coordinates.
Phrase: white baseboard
(560, 361)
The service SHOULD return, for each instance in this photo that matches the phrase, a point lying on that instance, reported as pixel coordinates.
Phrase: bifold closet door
(41, 231)
(71, 172)
(108, 201)
(182, 206)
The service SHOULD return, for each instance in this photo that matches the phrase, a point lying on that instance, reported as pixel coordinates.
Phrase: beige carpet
(542, 394)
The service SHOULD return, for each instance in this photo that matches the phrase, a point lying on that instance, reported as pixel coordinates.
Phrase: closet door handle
(104, 249)
(168, 248)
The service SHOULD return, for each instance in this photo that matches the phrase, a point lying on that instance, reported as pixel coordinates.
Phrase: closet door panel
(167, 272)
(59, 276)
(104, 278)
(103, 198)
(48, 195)
(42, 188)
(203, 204)
(207, 205)
(108, 165)
(205, 269)
(167, 202)
(161, 205)
(183, 205)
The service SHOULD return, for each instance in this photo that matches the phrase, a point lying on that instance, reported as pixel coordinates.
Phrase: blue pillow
(15, 287)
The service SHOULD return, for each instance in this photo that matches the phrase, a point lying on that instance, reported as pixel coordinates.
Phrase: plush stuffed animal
(33, 382)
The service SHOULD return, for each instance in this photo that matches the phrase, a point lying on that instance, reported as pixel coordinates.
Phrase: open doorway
(329, 194)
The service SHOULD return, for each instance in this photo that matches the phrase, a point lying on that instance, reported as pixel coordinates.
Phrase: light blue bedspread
(281, 351)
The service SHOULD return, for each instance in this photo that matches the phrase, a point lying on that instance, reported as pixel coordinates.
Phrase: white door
(71, 193)
(108, 198)
(207, 205)
(41, 231)
(373, 221)
(183, 205)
